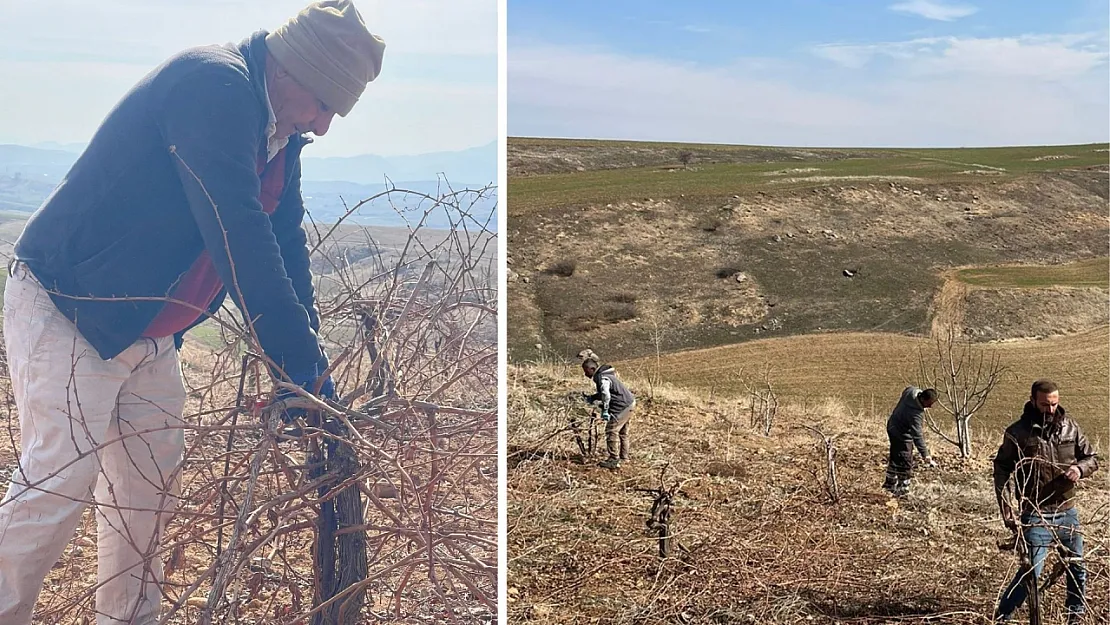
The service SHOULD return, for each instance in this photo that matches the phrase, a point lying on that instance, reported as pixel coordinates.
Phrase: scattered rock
(525, 279)
(917, 192)
(580, 168)
(849, 273)
(778, 238)
(741, 277)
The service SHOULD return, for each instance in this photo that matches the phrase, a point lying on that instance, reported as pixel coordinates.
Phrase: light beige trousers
(92, 431)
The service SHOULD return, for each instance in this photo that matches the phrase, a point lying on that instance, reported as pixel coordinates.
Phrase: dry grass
(759, 542)
(867, 371)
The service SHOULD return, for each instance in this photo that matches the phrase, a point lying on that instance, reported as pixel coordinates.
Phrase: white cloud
(929, 9)
(929, 93)
(1026, 56)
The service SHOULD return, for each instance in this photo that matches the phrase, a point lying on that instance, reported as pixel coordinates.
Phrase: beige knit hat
(327, 49)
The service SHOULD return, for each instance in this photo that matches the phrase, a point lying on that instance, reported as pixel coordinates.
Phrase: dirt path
(947, 309)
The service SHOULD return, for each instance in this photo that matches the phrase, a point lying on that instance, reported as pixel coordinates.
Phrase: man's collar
(274, 144)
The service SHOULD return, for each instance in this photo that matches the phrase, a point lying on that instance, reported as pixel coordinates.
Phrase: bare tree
(964, 376)
(658, 333)
(832, 487)
(763, 402)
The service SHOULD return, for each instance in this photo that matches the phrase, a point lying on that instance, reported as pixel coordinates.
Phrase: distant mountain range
(329, 185)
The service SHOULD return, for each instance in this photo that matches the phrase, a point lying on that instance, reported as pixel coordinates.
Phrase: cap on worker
(328, 50)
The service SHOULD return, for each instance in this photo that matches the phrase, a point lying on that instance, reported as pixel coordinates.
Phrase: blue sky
(810, 72)
(64, 64)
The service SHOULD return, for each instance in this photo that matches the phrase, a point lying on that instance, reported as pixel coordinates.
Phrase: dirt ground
(758, 539)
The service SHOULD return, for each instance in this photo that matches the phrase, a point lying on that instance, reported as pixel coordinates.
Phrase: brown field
(758, 539)
(868, 371)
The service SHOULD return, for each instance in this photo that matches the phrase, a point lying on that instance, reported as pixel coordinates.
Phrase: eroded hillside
(856, 244)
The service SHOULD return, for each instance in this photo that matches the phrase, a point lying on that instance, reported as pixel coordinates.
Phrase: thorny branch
(410, 329)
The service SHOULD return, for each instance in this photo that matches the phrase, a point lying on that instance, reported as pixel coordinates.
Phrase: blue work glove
(307, 381)
(605, 416)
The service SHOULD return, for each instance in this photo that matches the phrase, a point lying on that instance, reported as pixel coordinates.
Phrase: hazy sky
(64, 64)
(812, 72)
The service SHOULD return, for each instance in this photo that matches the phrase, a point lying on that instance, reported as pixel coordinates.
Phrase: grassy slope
(1088, 273)
(710, 180)
(764, 544)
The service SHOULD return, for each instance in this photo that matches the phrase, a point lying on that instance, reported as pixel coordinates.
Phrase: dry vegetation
(757, 539)
(409, 320)
(780, 301)
(865, 370)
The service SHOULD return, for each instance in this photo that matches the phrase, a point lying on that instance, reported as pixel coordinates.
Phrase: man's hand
(306, 380)
(1073, 473)
(1008, 517)
(605, 416)
(586, 398)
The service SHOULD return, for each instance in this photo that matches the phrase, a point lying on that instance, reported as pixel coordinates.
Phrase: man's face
(297, 110)
(928, 403)
(1047, 402)
(589, 370)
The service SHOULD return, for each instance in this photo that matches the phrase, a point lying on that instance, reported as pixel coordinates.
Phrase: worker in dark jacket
(616, 409)
(1046, 453)
(188, 191)
(905, 429)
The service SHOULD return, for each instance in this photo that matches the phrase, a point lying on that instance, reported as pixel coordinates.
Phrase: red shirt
(201, 284)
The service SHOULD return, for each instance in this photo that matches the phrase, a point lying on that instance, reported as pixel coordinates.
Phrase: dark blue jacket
(129, 219)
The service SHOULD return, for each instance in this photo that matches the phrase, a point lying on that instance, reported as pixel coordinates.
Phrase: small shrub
(610, 312)
(727, 271)
(623, 297)
(563, 268)
(709, 224)
(614, 313)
